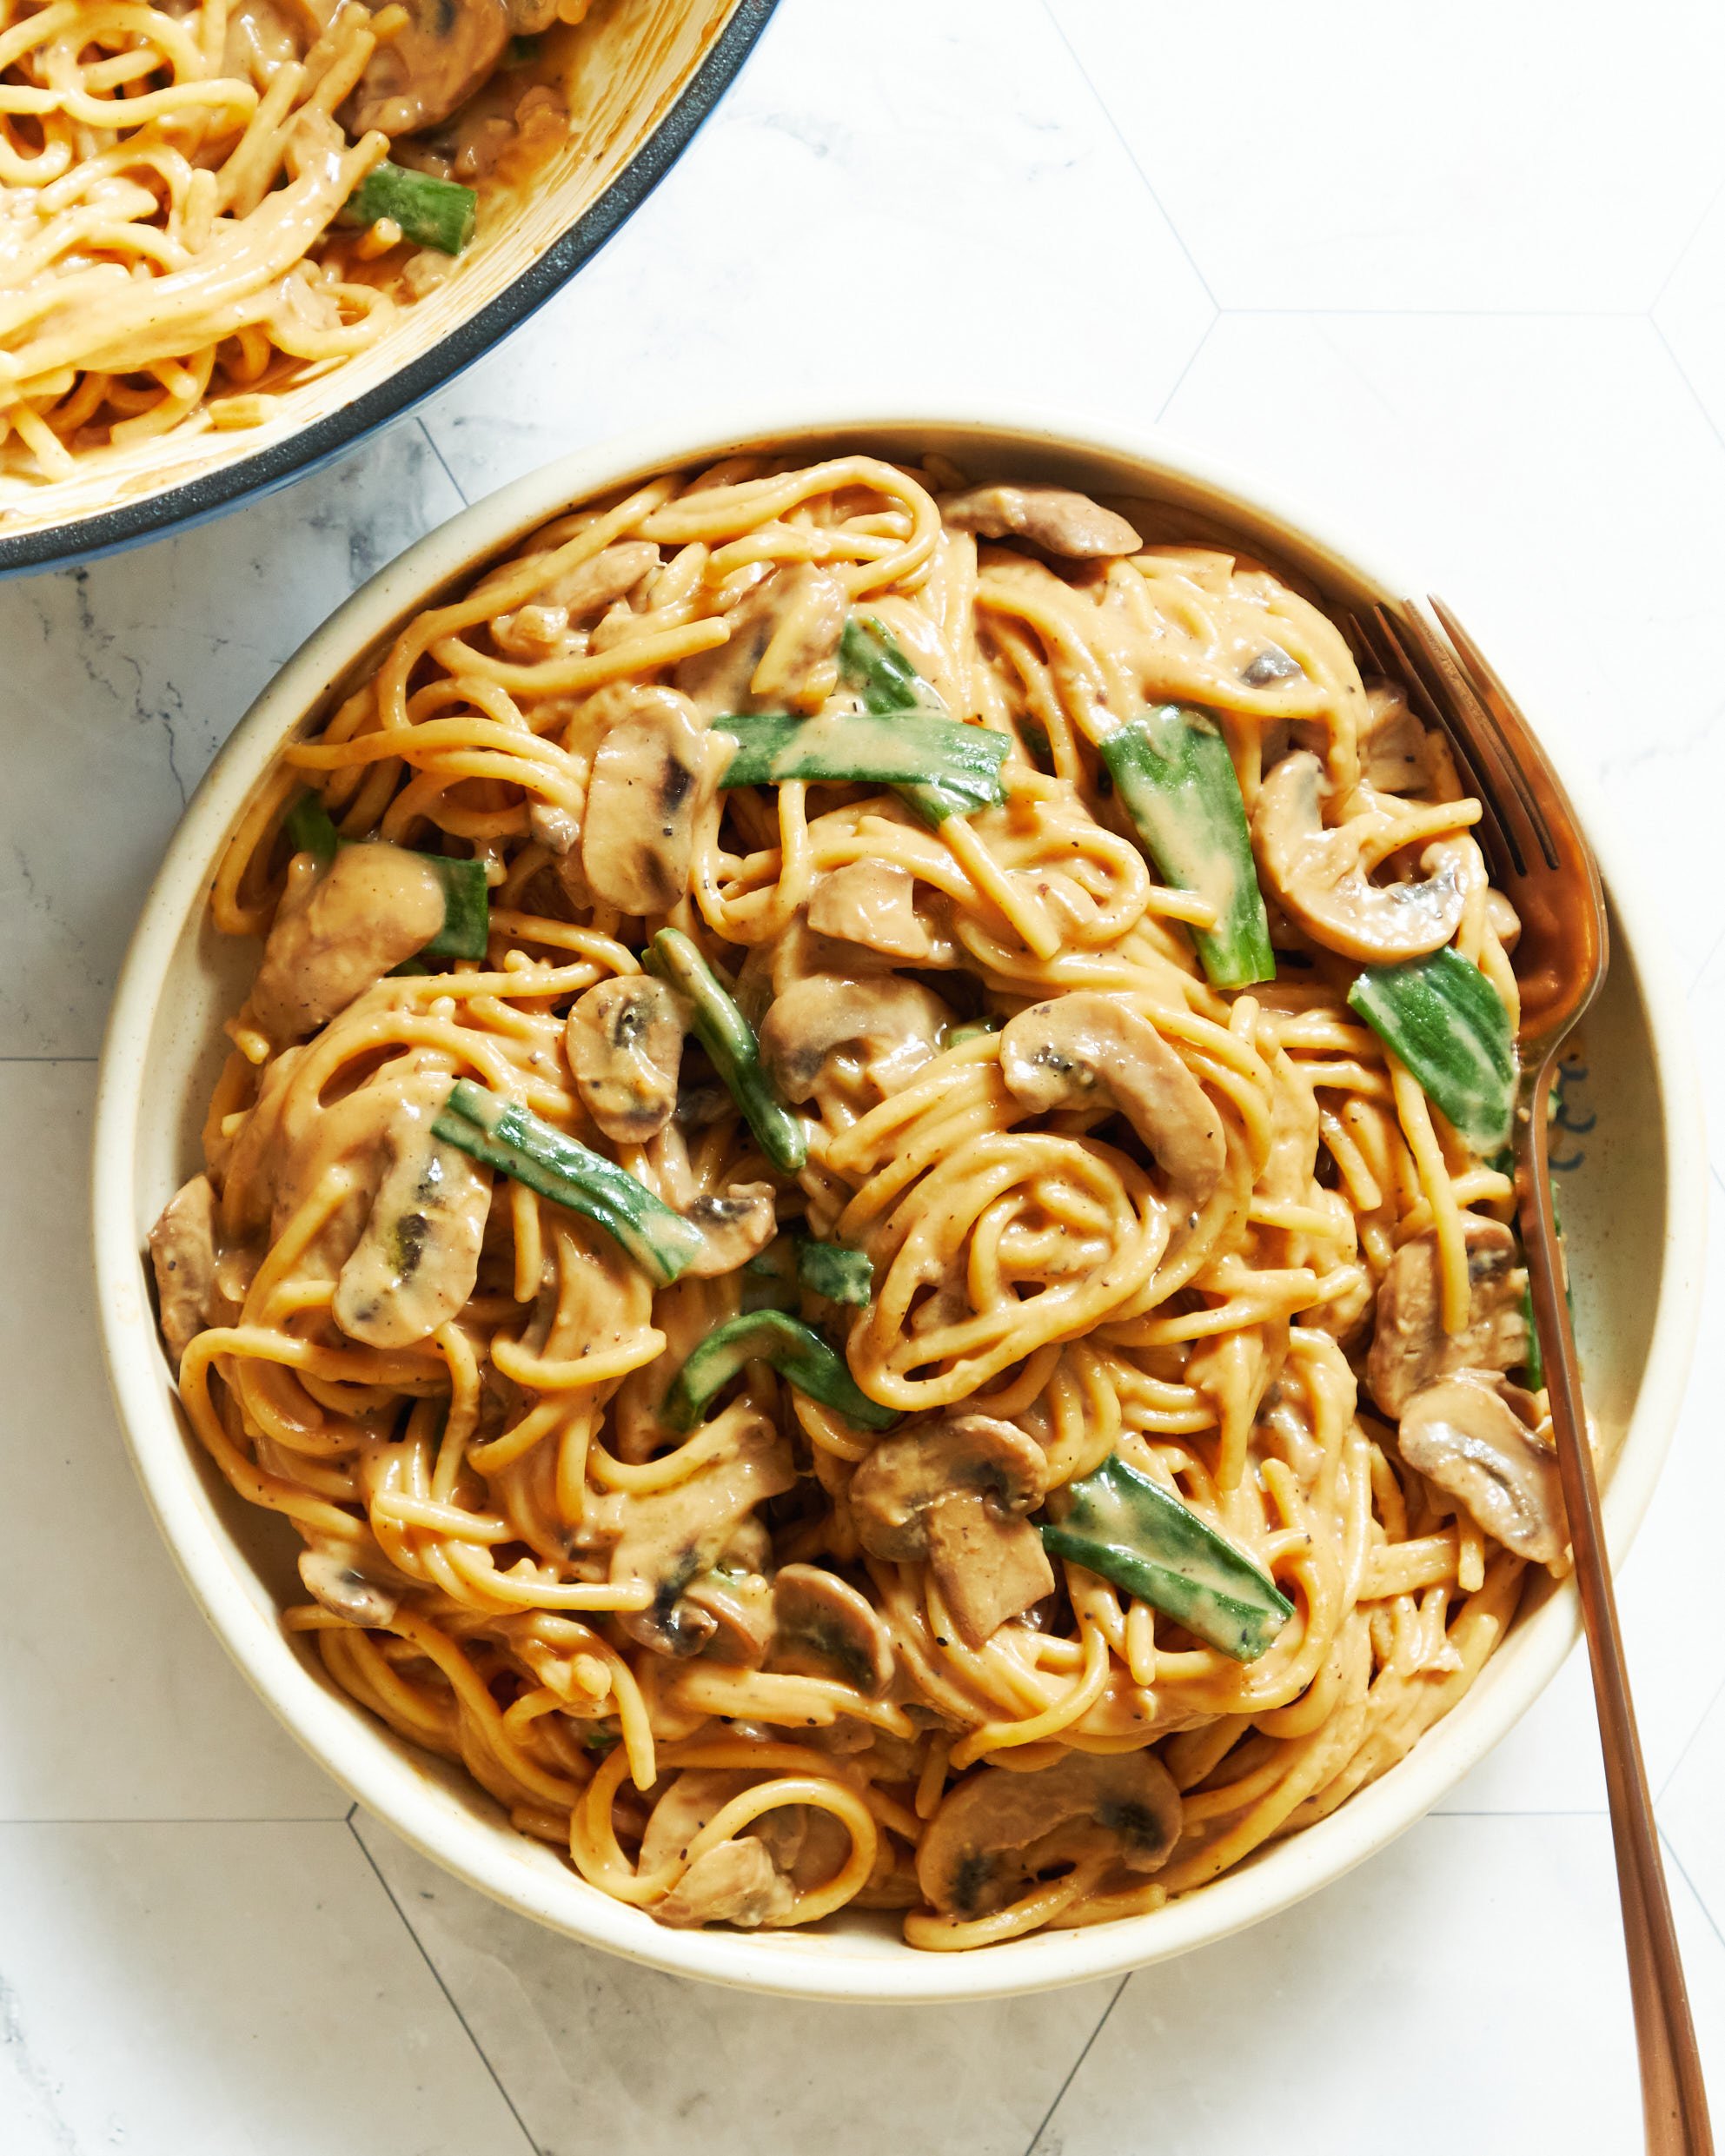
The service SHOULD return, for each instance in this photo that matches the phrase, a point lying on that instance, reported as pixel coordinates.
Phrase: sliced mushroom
(625, 1041)
(1409, 1348)
(741, 1606)
(600, 580)
(1271, 664)
(693, 1801)
(667, 1537)
(1477, 1437)
(737, 1883)
(651, 777)
(885, 1028)
(338, 933)
(871, 903)
(826, 1628)
(1395, 748)
(436, 61)
(417, 1258)
(553, 828)
(736, 1225)
(1319, 876)
(954, 1493)
(1087, 1049)
(784, 629)
(182, 1253)
(338, 1585)
(1051, 517)
(997, 1830)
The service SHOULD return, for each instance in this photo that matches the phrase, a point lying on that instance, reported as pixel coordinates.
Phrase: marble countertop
(1463, 286)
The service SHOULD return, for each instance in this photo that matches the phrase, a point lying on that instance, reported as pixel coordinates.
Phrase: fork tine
(1391, 657)
(1510, 730)
(1515, 796)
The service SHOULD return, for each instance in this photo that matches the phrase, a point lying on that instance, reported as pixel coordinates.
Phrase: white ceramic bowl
(1633, 1208)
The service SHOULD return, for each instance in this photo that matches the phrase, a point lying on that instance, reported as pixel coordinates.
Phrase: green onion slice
(1129, 1530)
(515, 1142)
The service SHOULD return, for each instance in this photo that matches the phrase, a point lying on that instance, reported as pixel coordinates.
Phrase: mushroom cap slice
(782, 631)
(338, 934)
(991, 1833)
(182, 1253)
(962, 1456)
(739, 1606)
(1087, 1049)
(695, 1798)
(1319, 878)
(955, 1494)
(988, 1568)
(826, 1628)
(1055, 518)
(872, 903)
(736, 1883)
(1475, 1437)
(651, 775)
(625, 1043)
(338, 1586)
(433, 63)
(736, 1225)
(417, 1257)
(892, 1027)
(1409, 1348)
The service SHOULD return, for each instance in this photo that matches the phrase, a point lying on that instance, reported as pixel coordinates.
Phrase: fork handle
(1674, 2097)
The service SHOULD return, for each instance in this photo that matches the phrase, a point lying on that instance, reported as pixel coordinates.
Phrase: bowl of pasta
(248, 232)
(784, 1240)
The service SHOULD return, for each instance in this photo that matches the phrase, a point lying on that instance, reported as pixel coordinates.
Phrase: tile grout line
(443, 466)
(437, 1978)
(1191, 361)
(1706, 1713)
(1060, 2092)
(91, 1060)
(1686, 249)
(1682, 374)
(1106, 111)
(1712, 1923)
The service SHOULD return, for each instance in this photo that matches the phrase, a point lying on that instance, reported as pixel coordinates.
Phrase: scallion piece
(871, 662)
(1171, 769)
(841, 1275)
(431, 212)
(309, 829)
(729, 1040)
(949, 769)
(466, 933)
(515, 1142)
(1127, 1528)
(796, 1352)
(1448, 1024)
(973, 1028)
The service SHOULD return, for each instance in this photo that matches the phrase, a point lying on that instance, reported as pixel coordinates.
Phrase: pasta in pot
(858, 1210)
(203, 204)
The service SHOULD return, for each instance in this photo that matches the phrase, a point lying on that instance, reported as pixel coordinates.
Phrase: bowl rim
(356, 1752)
(194, 501)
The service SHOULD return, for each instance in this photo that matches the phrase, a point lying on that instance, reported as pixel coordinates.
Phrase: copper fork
(1544, 866)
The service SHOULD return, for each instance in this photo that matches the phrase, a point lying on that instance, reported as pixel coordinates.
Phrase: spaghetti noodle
(883, 1325)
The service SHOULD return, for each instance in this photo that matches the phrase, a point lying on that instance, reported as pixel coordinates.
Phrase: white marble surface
(1458, 280)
